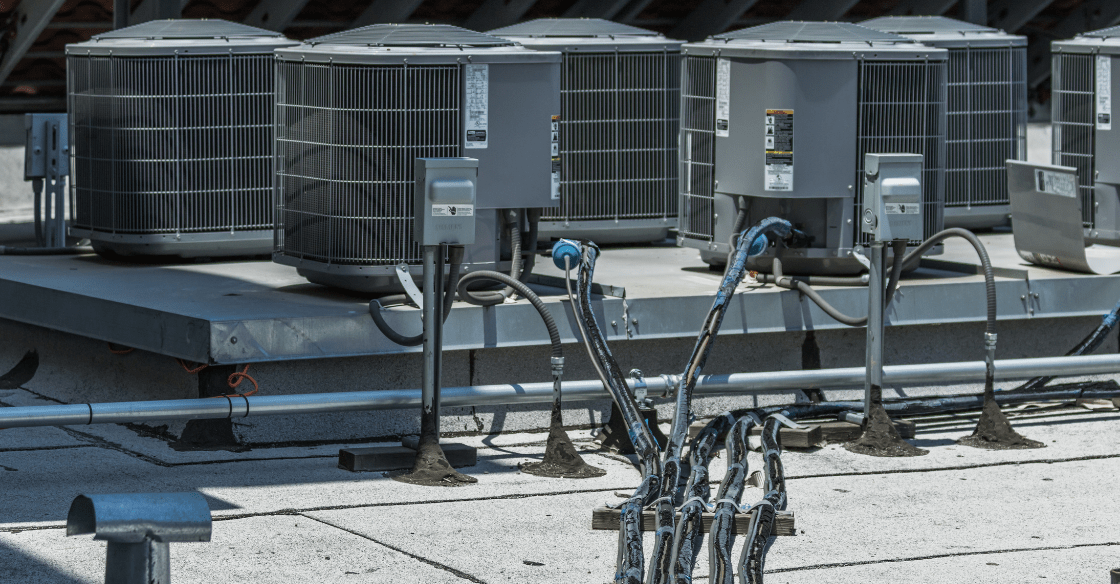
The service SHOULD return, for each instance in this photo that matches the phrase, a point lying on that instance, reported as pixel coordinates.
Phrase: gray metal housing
(354, 109)
(1079, 138)
(852, 91)
(987, 112)
(620, 98)
(171, 128)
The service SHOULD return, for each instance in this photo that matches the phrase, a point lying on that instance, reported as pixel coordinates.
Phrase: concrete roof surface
(291, 515)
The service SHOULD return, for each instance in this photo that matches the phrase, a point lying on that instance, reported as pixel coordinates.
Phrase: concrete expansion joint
(946, 555)
(432, 563)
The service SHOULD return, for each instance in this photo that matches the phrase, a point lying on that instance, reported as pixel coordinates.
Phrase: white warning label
(902, 208)
(778, 137)
(1055, 183)
(478, 105)
(723, 98)
(1104, 92)
(556, 178)
(452, 210)
(555, 185)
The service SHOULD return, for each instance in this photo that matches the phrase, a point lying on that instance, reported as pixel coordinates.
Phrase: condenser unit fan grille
(1074, 95)
(172, 144)
(987, 123)
(901, 109)
(617, 136)
(347, 137)
(697, 147)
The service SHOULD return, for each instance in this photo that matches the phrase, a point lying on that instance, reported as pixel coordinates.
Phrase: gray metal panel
(515, 169)
(1107, 144)
(822, 95)
(194, 312)
(1047, 220)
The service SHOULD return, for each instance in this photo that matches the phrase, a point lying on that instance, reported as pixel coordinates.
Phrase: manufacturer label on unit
(902, 208)
(555, 136)
(452, 210)
(1055, 183)
(723, 97)
(778, 137)
(1104, 92)
(556, 178)
(477, 106)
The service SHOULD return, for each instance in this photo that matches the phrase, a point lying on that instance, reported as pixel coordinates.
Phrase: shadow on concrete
(16, 566)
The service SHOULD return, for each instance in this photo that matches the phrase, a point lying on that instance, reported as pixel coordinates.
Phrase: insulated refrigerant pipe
(481, 395)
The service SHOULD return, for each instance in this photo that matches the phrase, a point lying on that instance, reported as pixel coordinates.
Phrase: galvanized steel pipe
(483, 395)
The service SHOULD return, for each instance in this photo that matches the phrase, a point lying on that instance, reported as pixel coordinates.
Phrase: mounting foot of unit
(394, 457)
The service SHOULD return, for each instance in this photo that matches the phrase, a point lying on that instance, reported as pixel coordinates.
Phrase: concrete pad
(257, 549)
(494, 541)
(1083, 564)
(984, 509)
(268, 486)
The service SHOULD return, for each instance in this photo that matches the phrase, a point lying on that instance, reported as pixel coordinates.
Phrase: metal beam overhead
(923, 7)
(498, 13)
(121, 9)
(275, 15)
(607, 9)
(1011, 15)
(711, 17)
(1091, 15)
(157, 10)
(385, 11)
(633, 9)
(821, 9)
(30, 19)
(974, 11)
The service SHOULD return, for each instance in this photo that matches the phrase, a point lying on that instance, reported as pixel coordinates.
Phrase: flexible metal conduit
(483, 395)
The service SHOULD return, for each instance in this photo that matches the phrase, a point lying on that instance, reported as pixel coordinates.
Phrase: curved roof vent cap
(187, 29)
(811, 32)
(924, 25)
(411, 35)
(572, 27)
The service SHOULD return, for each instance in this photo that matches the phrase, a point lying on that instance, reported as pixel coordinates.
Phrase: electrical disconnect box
(892, 197)
(444, 205)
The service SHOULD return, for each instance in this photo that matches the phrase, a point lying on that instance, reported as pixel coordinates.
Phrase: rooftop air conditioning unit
(776, 120)
(171, 130)
(987, 112)
(1083, 84)
(620, 88)
(356, 108)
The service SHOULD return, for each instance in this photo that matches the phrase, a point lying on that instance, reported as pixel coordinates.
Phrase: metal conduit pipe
(504, 394)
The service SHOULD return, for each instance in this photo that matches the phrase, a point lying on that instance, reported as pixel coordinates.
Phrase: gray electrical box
(444, 205)
(892, 197)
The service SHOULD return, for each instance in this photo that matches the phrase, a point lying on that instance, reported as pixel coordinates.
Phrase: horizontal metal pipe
(484, 395)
